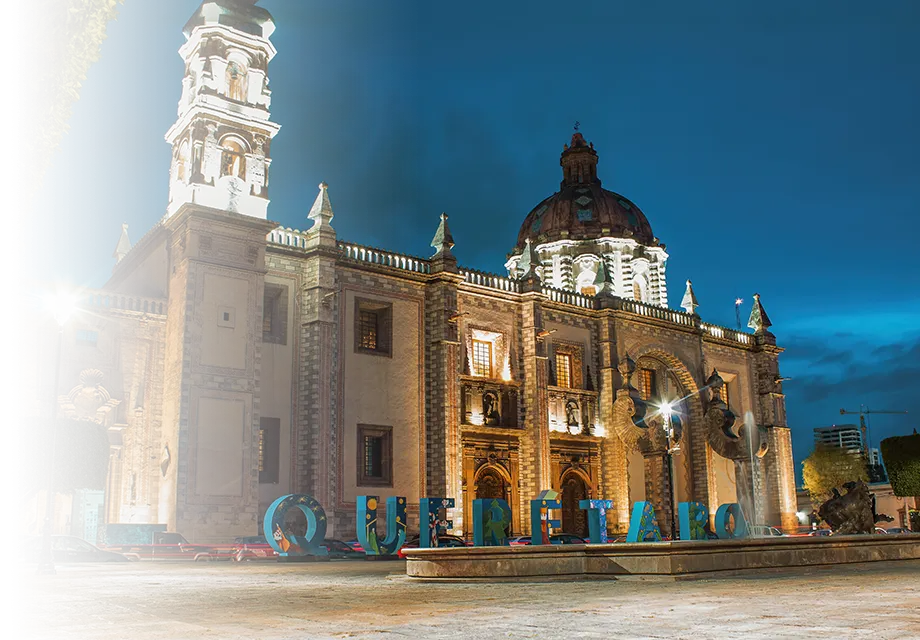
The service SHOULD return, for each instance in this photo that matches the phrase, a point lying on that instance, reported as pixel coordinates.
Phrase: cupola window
(232, 159)
(182, 162)
(236, 81)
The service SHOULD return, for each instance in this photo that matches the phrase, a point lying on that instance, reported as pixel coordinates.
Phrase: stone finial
(529, 262)
(627, 368)
(321, 212)
(715, 384)
(124, 244)
(443, 241)
(689, 303)
(759, 320)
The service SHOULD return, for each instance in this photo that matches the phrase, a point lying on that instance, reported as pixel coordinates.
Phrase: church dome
(582, 209)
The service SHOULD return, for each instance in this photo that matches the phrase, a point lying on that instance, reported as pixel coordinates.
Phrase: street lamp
(738, 302)
(666, 410)
(61, 306)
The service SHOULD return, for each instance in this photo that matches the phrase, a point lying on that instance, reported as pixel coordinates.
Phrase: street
(357, 599)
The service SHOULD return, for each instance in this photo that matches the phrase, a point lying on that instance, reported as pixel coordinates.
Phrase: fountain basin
(685, 559)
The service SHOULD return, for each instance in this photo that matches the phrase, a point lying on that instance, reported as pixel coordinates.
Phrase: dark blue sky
(773, 147)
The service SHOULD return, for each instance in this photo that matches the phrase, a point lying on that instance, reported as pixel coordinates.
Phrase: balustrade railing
(97, 299)
(490, 280)
(287, 237)
(568, 297)
(726, 334)
(654, 311)
(383, 258)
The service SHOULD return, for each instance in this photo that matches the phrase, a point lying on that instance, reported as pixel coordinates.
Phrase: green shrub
(902, 460)
(52, 44)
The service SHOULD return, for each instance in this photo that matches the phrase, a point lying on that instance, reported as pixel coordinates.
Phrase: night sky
(772, 146)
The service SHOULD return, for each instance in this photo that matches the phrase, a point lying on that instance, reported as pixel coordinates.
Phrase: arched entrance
(574, 519)
(491, 484)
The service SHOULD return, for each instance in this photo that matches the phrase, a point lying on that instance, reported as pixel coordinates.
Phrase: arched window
(182, 162)
(640, 289)
(233, 158)
(236, 81)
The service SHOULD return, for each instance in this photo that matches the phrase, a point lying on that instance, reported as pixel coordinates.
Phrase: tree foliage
(829, 468)
(902, 459)
(52, 44)
(81, 455)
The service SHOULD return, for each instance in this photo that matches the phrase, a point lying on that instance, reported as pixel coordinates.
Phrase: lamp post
(673, 446)
(738, 302)
(61, 306)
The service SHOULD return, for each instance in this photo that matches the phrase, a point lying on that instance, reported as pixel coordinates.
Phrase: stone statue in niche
(491, 413)
(572, 416)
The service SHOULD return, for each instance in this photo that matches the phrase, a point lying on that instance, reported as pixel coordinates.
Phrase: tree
(902, 459)
(828, 468)
(81, 457)
(52, 44)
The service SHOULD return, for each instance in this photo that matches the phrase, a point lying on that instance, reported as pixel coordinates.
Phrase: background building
(242, 361)
(843, 436)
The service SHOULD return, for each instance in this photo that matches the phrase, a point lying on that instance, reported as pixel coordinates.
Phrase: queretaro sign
(491, 522)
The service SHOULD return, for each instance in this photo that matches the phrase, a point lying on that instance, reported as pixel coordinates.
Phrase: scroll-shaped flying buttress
(636, 422)
(719, 423)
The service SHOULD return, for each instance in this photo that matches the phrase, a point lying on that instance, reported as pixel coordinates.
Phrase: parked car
(897, 530)
(342, 550)
(821, 532)
(556, 538)
(444, 540)
(764, 531)
(250, 548)
(66, 549)
(880, 530)
(154, 540)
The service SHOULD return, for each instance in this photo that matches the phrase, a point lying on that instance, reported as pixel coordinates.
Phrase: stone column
(216, 269)
(614, 479)
(779, 480)
(315, 432)
(444, 454)
(535, 466)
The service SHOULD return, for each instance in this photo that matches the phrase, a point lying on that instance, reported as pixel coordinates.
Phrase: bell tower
(221, 140)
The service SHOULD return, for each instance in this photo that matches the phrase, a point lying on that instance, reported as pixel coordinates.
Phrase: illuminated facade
(251, 361)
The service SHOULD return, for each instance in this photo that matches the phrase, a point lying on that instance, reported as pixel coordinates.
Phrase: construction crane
(863, 411)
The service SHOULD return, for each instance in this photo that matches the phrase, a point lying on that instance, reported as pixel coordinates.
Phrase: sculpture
(490, 412)
(851, 512)
(572, 416)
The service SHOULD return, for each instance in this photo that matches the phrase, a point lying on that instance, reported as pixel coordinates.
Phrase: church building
(231, 361)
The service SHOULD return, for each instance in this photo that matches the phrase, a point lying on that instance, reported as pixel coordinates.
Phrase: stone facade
(470, 384)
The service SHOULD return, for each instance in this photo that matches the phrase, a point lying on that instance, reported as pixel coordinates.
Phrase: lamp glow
(61, 305)
(666, 408)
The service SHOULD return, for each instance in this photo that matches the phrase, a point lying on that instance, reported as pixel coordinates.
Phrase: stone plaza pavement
(358, 599)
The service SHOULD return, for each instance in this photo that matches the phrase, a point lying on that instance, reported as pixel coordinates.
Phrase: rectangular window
(648, 386)
(373, 327)
(726, 396)
(274, 314)
(269, 450)
(375, 456)
(266, 320)
(87, 338)
(482, 358)
(564, 370)
(368, 324)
